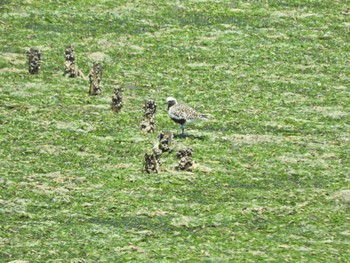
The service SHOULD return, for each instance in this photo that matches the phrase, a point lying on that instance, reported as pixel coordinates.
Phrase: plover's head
(171, 101)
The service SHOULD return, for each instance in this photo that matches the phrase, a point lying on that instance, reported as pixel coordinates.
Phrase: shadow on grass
(188, 136)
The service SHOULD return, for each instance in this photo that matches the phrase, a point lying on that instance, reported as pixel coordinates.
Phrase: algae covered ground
(271, 176)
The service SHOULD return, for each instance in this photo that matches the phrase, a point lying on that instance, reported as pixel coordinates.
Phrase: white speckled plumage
(182, 114)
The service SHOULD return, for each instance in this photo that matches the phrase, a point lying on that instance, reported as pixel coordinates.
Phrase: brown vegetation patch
(252, 138)
(14, 58)
(342, 195)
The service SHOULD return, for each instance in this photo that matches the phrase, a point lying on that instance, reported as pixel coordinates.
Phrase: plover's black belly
(180, 121)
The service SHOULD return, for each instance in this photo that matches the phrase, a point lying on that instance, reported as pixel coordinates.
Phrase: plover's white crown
(171, 99)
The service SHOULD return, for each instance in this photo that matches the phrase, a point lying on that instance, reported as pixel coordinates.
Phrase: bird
(182, 114)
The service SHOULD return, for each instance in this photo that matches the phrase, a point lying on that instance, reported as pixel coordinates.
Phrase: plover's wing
(182, 111)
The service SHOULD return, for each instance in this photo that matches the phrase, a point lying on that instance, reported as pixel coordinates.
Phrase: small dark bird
(182, 114)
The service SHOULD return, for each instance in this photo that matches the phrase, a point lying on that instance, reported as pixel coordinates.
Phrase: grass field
(271, 179)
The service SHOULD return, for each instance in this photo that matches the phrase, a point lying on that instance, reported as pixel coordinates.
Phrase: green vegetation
(272, 164)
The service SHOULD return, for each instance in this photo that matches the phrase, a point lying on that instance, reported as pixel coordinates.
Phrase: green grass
(271, 168)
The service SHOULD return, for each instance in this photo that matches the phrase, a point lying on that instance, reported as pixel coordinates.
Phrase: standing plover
(181, 113)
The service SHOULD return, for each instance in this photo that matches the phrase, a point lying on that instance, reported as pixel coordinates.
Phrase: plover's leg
(182, 129)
